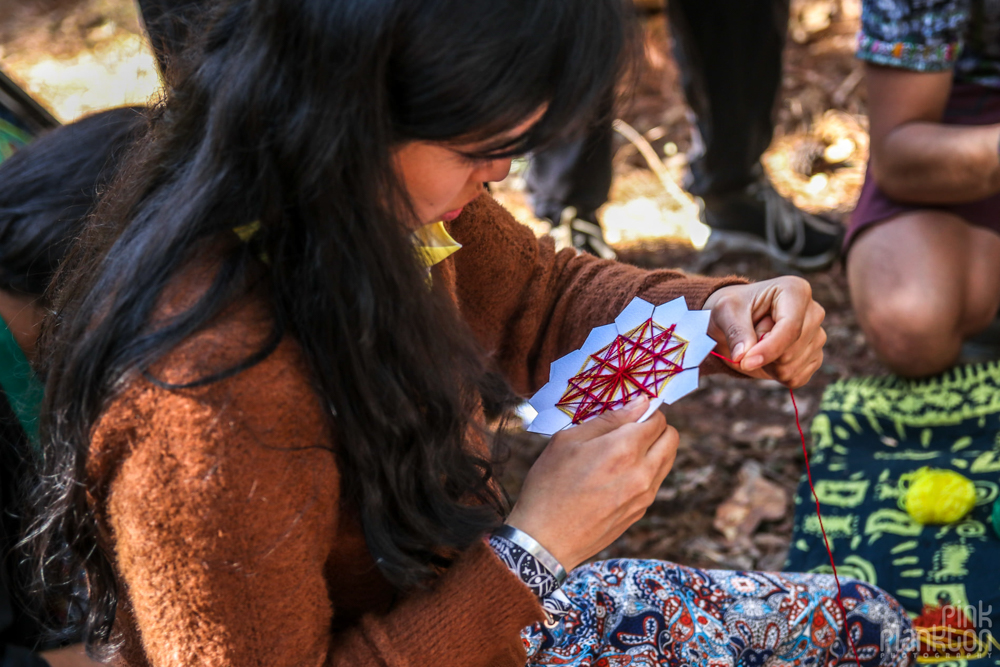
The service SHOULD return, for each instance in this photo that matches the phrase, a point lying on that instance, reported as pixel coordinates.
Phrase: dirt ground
(82, 55)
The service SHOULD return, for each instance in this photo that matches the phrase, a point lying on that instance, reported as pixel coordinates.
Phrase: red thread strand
(819, 515)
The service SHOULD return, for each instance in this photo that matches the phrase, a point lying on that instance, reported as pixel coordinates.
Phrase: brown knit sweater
(222, 503)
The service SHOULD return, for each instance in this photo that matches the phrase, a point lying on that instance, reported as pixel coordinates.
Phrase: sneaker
(759, 220)
(580, 234)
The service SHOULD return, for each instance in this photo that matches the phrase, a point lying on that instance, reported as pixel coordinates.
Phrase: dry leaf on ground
(756, 499)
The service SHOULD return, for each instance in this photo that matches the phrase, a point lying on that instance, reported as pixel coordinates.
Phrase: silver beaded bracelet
(528, 543)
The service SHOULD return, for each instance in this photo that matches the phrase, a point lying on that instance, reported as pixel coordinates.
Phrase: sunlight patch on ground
(646, 218)
(118, 72)
(638, 208)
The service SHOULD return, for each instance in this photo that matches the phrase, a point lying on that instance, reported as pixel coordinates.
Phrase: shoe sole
(723, 242)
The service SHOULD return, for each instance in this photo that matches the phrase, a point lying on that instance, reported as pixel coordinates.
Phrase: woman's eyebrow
(500, 144)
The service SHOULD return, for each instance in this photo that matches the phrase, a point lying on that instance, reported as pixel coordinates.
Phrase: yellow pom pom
(938, 496)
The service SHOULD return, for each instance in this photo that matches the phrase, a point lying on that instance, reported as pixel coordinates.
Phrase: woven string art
(638, 363)
(651, 351)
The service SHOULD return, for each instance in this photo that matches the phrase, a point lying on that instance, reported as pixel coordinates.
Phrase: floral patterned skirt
(639, 613)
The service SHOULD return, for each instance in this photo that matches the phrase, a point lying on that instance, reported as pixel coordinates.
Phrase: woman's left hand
(772, 329)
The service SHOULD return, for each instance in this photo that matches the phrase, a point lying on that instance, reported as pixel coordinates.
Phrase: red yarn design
(639, 362)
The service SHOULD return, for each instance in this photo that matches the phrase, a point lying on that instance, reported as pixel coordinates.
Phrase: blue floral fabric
(934, 36)
(641, 613)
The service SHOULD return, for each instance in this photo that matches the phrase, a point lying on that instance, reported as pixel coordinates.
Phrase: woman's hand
(593, 481)
(781, 309)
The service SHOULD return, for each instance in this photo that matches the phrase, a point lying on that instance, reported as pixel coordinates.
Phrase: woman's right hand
(593, 481)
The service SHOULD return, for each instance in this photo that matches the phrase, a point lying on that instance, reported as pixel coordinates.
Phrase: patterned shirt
(934, 36)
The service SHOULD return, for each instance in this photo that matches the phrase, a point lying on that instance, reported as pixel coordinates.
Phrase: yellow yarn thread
(938, 496)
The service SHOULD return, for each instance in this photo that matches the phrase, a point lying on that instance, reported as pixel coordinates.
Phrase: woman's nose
(494, 170)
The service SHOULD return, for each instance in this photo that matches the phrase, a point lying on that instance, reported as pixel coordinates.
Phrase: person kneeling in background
(924, 244)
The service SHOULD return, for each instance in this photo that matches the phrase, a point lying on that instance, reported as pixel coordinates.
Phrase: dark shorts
(969, 104)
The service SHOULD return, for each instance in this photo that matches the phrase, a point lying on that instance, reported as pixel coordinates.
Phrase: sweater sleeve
(529, 305)
(223, 506)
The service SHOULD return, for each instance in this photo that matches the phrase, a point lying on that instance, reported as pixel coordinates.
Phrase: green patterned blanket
(869, 433)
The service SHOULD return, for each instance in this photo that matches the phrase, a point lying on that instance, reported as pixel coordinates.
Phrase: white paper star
(648, 351)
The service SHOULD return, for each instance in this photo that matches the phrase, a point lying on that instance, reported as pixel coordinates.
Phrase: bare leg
(922, 283)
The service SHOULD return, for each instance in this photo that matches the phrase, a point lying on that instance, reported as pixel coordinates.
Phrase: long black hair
(287, 114)
(48, 188)
(172, 26)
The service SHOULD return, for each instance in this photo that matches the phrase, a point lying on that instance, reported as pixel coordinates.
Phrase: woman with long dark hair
(263, 416)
